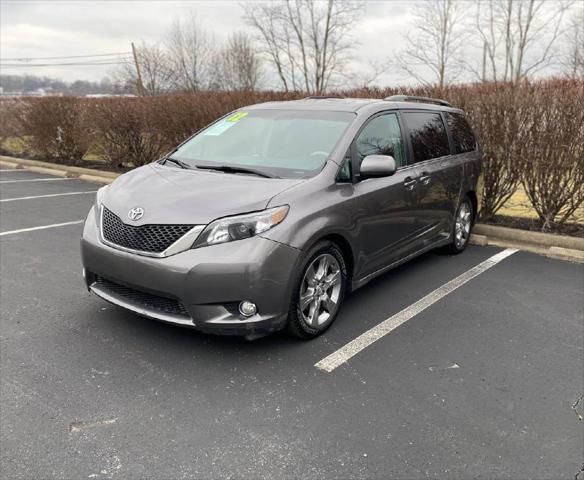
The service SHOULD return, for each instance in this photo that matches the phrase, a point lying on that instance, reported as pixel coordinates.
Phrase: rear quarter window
(462, 135)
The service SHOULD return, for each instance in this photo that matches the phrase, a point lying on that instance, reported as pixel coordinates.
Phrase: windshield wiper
(178, 162)
(233, 169)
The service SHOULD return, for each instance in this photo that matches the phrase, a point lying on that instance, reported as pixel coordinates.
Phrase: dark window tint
(381, 136)
(464, 139)
(429, 139)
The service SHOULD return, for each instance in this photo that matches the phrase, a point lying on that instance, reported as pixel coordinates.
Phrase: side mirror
(377, 166)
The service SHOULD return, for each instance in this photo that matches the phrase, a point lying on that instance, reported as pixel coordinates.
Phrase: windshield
(276, 143)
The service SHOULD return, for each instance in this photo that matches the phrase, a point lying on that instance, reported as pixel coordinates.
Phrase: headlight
(242, 226)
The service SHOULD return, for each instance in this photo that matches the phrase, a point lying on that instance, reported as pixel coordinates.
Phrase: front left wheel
(319, 292)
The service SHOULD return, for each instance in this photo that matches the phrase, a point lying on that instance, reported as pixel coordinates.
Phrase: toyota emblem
(136, 213)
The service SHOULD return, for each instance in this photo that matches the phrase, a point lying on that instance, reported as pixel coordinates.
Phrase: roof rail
(411, 98)
(322, 97)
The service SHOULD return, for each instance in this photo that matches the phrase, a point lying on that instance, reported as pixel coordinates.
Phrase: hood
(178, 196)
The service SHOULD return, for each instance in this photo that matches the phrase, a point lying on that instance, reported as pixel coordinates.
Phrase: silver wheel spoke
(305, 299)
(311, 276)
(332, 279)
(313, 313)
(323, 267)
(329, 304)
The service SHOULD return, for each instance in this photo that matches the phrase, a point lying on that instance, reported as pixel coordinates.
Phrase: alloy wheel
(462, 225)
(320, 290)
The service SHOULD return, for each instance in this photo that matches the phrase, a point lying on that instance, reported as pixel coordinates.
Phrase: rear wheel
(463, 222)
(319, 292)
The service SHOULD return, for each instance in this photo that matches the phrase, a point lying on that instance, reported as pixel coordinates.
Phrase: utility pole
(484, 62)
(140, 85)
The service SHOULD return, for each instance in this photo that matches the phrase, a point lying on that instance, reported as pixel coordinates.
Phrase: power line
(28, 59)
(18, 65)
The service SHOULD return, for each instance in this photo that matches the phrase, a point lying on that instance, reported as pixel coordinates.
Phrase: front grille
(146, 300)
(154, 238)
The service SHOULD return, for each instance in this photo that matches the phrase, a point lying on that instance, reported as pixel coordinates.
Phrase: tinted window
(462, 135)
(381, 136)
(428, 135)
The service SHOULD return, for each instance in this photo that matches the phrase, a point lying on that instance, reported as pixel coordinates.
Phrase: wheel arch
(346, 249)
(472, 195)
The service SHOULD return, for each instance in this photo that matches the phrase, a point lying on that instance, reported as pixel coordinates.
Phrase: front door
(386, 220)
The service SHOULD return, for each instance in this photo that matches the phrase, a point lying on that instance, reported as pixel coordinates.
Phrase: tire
(319, 291)
(461, 227)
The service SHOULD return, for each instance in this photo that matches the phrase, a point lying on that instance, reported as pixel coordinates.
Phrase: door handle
(410, 183)
(425, 179)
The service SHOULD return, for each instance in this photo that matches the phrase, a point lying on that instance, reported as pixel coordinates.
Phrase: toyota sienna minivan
(269, 217)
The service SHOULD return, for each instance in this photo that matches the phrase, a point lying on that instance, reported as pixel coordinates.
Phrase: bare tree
(157, 75)
(364, 75)
(272, 36)
(436, 43)
(237, 65)
(574, 62)
(307, 41)
(190, 50)
(517, 37)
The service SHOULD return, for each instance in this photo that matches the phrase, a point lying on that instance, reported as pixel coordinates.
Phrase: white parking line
(352, 348)
(47, 196)
(42, 227)
(12, 170)
(36, 180)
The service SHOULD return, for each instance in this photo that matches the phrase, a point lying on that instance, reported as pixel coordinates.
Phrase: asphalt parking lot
(480, 384)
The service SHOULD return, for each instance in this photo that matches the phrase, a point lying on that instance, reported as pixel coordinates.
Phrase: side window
(381, 136)
(462, 134)
(428, 135)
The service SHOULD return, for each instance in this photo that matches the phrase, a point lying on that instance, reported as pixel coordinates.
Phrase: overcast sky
(59, 28)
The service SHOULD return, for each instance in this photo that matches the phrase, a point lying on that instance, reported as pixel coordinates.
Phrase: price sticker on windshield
(225, 124)
(237, 117)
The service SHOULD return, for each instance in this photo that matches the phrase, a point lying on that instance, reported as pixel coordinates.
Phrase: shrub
(553, 176)
(54, 127)
(178, 117)
(498, 118)
(124, 131)
(9, 126)
(531, 134)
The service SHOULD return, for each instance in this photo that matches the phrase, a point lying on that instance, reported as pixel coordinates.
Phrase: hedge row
(532, 134)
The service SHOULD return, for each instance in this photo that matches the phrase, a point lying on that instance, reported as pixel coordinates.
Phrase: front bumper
(199, 288)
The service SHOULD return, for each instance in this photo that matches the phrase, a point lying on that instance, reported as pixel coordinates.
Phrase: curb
(89, 174)
(525, 236)
(95, 179)
(550, 245)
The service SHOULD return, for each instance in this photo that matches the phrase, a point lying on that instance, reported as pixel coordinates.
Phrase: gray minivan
(268, 217)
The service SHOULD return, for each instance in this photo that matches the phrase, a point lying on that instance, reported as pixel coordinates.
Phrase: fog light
(247, 308)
